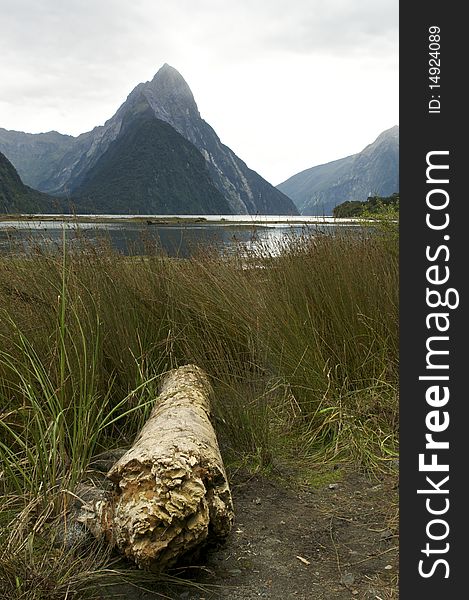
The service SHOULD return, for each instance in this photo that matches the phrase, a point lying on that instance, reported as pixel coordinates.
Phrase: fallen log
(171, 493)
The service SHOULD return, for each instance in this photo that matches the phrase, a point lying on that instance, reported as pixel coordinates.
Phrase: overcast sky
(287, 84)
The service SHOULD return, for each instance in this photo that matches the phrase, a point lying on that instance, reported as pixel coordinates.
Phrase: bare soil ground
(334, 540)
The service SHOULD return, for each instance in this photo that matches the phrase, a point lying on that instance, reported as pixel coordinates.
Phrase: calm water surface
(266, 233)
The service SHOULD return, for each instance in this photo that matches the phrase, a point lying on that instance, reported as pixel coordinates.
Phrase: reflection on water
(136, 238)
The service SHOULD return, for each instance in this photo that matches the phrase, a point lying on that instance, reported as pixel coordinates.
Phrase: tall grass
(317, 323)
(301, 345)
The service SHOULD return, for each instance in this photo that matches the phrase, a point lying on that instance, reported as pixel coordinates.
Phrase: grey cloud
(336, 27)
(99, 39)
(70, 48)
(60, 35)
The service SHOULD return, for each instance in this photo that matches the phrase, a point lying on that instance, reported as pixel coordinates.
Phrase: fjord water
(183, 238)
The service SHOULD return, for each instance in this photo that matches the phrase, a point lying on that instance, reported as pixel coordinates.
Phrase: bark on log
(171, 491)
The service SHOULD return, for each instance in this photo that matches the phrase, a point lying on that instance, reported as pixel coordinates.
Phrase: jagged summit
(168, 80)
(170, 74)
(171, 98)
(168, 69)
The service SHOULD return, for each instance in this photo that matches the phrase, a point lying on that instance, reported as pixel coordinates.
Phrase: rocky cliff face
(65, 169)
(372, 172)
(151, 169)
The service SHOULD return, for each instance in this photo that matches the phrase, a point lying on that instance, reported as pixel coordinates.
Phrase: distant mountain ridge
(62, 165)
(372, 172)
(16, 198)
(34, 155)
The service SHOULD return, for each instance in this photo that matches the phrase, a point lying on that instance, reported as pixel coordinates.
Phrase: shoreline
(260, 220)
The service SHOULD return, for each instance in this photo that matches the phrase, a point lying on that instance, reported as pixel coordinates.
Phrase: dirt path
(337, 540)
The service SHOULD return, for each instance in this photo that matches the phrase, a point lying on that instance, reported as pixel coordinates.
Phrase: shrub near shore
(302, 349)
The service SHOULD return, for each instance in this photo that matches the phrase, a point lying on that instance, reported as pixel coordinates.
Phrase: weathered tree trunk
(171, 491)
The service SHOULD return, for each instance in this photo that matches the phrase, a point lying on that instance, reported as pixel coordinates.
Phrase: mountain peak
(135, 136)
(372, 172)
(166, 68)
(389, 134)
(167, 71)
(170, 98)
(168, 80)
